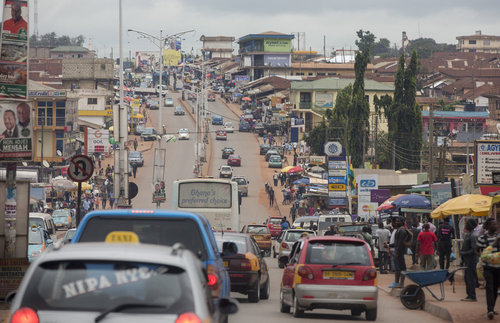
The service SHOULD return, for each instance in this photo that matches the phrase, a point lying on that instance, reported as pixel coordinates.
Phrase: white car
(183, 134)
(228, 127)
(225, 171)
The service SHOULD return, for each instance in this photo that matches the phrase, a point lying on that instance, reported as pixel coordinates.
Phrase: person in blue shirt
(284, 224)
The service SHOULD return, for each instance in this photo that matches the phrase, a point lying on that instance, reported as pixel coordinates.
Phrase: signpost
(80, 170)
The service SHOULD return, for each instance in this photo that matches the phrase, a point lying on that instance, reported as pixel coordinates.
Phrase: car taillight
(188, 318)
(24, 315)
(213, 280)
(245, 264)
(305, 272)
(284, 245)
(370, 274)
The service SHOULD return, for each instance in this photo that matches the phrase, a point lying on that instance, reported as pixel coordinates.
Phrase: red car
(234, 160)
(221, 135)
(330, 272)
(274, 225)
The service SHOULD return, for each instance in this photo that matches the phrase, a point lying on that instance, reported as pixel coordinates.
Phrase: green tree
(52, 40)
(383, 46)
(315, 139)
(366, 41)
(426, 46)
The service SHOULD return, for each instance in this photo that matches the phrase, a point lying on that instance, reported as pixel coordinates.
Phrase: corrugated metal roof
(332, 83)
(457, 114)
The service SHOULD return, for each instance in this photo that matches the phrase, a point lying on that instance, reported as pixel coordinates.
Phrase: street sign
(97, 141)
(337, 187)
(486, 161)
(333, 148)
(80, 168)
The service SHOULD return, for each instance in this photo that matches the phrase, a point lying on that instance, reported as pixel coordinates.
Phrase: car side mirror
(228, 306)
(229, 248)
(10, 297)
(283, 259)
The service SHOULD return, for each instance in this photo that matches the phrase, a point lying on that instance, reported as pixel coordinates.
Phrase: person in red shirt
(426, 246)
(17, 24)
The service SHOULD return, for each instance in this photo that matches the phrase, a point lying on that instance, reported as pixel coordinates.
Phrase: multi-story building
(87, 73)
(479, 43)
(217, 47)
(91, 106)
(265, 54)
(313, 69)
(71, 52)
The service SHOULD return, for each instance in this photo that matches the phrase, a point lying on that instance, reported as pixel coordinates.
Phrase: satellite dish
(25, 164)
(498, 127)
(45, 164)
(59, 153)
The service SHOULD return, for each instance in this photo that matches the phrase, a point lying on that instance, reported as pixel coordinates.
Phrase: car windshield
(240, 181)
(36, 222)
(35, 237)
(183, 131)
(228, 124)
(147, 132)
(225, 168)
(60, 212)
(239, 241)
(327, 252)
(164, 232)
(272, 152)
(293, 236)
(99, 285)
(257, 229)
(275, 158)
(60, 219)
(275, 221)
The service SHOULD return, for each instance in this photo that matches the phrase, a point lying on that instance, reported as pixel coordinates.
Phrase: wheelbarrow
(413, 297)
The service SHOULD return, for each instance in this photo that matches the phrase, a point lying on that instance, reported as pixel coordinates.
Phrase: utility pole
(467, 149)
(431, 146)
(394, 155)
(364, 142)
(376, 141)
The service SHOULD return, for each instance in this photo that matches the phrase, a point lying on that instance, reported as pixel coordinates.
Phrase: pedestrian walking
(470, 259)
(426, 246)
(445, 234)
(282, 178)
(271, 198)
(491, 264)
(293, 212)
(285, 225)
(384, 236)
(135, 144)
(99, 162)
(134, 169)
(399, 252)
(415, 230)
(275, 178)
(104, 199)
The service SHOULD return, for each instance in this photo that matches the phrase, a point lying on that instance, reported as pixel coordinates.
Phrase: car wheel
(283, 307)
(296, 311)
(266, 290)
(371, 315)
(254, 295)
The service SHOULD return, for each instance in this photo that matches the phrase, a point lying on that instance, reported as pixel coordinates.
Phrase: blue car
(38, 241)
(217, 120)
(162, 228)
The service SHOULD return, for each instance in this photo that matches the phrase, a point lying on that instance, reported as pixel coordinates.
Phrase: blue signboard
(294, 134)
(337, 202)
(337, 180)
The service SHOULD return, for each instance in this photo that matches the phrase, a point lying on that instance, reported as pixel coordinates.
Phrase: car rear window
(337, 253)
(60, 219)
(293, 236)
(275, 221)
(257, 229)
(35, 237)
(60, 213)
(99, 285)
(240, 181)
(239, 241)
(164, 232)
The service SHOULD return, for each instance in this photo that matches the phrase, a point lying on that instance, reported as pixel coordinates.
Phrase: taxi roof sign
(122, 237)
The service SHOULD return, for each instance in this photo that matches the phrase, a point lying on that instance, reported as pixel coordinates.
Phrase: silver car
(110, 282)
(283, 244)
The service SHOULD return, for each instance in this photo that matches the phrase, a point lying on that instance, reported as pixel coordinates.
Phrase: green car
(275, 161)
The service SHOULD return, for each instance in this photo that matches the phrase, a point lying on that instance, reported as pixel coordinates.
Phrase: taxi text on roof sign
(122, 237)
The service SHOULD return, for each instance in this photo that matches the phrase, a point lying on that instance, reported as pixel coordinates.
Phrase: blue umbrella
(413, 201)
(304, 180)
(237, 94)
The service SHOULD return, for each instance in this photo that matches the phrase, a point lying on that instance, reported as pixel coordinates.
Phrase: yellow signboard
(336, 187)
(122, 237)
(171, 57)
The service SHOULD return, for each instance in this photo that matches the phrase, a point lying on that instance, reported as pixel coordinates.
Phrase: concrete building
(265, 54)
(71, 52)
(311, 99)
(313, 69)
(217, 47)
(87, 73)
(91, 106)
(479, 43)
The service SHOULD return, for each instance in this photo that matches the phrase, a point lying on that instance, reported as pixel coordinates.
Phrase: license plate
(225, 263)
(330, 274)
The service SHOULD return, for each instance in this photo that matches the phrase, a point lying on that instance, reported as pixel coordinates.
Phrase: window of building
(80, 55)
(486, 42)
(60, 55)
(321, 74)
(92, 101)
(472, 42)
(60, 117)
(367, 98)
(299, 73)
(60, 141)
(310, 74)
(45, 113)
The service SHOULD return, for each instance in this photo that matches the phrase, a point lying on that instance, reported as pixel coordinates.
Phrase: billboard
(487, 161)
(366, 183)
(379, 195)
(171, 57)
(97, 141)
(324, 100)
(277, 60)
(16, 131)
(14, 50)
(278, 45)
(440, 193)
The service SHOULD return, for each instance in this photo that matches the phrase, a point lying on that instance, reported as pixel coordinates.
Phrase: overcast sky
(442, 20)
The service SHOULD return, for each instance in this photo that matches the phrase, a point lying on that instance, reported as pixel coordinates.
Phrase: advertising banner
(337, 194)
(171, 57)
(14, 50)
(337, 202)
(440, 193)
(16, 131)
(487, 161)
(379, 195)
(337, 164)
(97, 141)
(159, 194)
(366, 183)
(278, 45)
(277, 60)
(337, 172)
(367, 209)
(324, 100)
(337, 180)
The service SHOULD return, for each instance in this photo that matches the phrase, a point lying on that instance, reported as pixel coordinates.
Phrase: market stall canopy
(304, 180)
(317, 169)
(63, 184)
(387, 204)
(85, 186)
(286, 169)
(469, 204)
(246, 98)
(412, 201)
(296, 169)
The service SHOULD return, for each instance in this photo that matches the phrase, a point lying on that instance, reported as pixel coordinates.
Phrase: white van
(326, 220)
(44, 220)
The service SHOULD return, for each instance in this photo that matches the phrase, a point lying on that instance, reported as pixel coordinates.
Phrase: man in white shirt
(384, 237)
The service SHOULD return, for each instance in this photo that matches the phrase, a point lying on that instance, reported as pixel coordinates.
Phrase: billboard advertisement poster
(487, 161)
(337, 180)
(333, 164)
(337, 172)
(16, 131)
(159, 194)
(367, 209)
(277, 60)
(14, 50)
(171, 57)
(242, 78)
(278, 45)
(366, 183)
(324, 100)
(440, 193)
(379, 195)
(337, 194)
(97, 141)
(337, 202)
